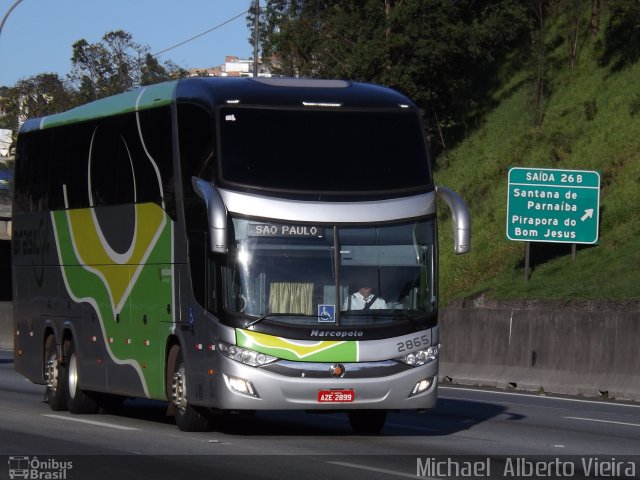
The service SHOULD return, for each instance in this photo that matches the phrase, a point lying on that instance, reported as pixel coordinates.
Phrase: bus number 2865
(413, 343)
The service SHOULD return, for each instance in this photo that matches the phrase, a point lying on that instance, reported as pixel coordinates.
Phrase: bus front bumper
(242, 387)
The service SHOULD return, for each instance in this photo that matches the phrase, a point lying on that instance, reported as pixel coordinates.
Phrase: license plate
(336, 396)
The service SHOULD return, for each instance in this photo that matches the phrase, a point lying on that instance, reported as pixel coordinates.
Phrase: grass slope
(591, 122)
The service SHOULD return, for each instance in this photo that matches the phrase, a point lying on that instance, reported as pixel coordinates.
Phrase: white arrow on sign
(588, 213)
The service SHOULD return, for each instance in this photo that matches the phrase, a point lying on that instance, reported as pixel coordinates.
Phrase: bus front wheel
(189, 418)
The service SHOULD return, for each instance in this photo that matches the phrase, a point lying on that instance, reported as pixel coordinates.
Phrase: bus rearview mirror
(461, 219)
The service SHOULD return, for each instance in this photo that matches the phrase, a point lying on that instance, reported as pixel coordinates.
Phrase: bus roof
(138, 99)
(213, 91)
(288, 92)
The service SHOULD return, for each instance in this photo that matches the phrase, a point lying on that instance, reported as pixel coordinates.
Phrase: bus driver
(363, 299)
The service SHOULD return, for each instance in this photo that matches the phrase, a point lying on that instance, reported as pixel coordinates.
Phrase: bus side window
(112, 176)
(151, 145)
(197, 159)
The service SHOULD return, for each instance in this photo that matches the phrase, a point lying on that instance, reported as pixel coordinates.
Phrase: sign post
(550, 205)
(547, 205)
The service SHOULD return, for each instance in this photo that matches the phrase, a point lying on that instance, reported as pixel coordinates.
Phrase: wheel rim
(73, 375)
(51, 373)
(179, 390)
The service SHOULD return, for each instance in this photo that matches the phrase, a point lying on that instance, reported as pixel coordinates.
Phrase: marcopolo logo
(37, 469)
(337, 333)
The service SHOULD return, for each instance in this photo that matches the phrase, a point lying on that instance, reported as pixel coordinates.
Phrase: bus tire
(78, 401)
(367, 422)
(189, 418)
(55, 376)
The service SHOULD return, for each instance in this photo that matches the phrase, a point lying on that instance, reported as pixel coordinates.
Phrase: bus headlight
(421, 357)
(422, 386)
(241, 385)
(244, 355)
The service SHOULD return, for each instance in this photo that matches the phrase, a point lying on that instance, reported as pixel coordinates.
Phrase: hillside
(591, 122)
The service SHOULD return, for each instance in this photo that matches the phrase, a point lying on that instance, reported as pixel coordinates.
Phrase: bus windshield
(304, 274)
(373, 150)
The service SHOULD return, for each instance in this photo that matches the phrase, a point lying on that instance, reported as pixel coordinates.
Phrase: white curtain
(291, 298)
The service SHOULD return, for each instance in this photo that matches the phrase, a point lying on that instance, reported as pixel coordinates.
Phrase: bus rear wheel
(55, 376)
(189, 418)
(78, 401)
(367, 422)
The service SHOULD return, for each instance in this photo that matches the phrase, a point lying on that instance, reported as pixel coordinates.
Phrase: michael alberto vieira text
(521, 467)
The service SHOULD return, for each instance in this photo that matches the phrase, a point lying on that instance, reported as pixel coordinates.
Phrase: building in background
(6, 140)
(232, 67)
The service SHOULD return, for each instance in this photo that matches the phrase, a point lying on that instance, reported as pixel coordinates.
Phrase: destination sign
(549, 205)
(281, 230)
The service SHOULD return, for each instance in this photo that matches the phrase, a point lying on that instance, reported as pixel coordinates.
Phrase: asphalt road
(507, 433)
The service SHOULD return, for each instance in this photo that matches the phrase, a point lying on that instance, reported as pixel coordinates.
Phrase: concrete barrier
(591, 353)
(6, 325)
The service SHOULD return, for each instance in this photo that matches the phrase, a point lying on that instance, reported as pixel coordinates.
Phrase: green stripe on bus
(299, 350)
(136, 334)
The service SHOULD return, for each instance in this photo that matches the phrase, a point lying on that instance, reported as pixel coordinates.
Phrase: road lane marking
(534, 395)
(90, 422)
(377, 470)
(604, 421)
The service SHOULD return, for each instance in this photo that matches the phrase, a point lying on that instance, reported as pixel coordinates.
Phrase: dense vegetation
(591, 121)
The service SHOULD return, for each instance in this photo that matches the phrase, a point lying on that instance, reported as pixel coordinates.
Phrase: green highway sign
(548, 205)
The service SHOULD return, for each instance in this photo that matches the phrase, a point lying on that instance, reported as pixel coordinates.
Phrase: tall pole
(6, 15)
(256, 27)
(527, 261)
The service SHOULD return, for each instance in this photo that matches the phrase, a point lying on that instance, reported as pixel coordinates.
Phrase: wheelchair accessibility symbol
(326, 313)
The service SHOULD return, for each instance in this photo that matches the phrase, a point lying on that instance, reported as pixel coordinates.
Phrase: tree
(574, 10)
(36, 96)
(107, 67)
(445, 53)
(115, 64)
(442, 53)
(153, 72)
(286, 34)
(539, 58)
(595, 18)
(622, 34)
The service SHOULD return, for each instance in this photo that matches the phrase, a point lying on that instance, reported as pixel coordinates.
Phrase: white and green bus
(231, 245)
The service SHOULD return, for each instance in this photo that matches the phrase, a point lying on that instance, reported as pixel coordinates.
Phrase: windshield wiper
(267, 315)
(264, 317)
